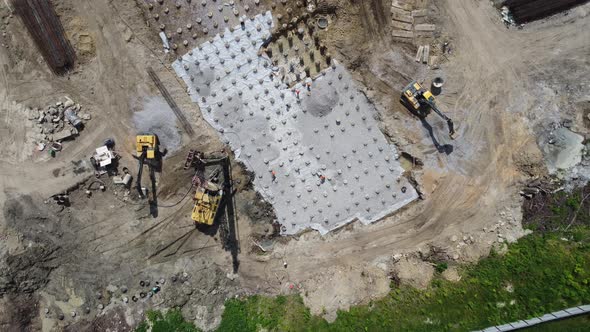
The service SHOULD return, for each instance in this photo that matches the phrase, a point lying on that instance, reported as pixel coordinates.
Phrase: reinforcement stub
(316, 151)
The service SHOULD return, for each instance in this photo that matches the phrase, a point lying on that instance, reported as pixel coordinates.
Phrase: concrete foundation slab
(318, 155)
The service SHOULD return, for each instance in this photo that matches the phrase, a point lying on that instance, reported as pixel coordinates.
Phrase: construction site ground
(502, 88)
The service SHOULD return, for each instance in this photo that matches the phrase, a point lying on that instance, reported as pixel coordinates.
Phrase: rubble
(57, 122)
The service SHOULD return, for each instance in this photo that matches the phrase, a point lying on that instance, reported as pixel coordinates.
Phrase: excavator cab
(411, 94)
(148, 144)
(428, 96)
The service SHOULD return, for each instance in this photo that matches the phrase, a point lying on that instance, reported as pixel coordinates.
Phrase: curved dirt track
(490, 92)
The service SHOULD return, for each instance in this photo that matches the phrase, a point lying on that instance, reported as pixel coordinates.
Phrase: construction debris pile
(56, 123)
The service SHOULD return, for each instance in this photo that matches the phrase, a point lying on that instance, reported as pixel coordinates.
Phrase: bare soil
(501, 85)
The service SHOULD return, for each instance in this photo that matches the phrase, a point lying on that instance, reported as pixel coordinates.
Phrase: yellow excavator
(207, 201)
(417, 96)
(148, 152)
(209, 194)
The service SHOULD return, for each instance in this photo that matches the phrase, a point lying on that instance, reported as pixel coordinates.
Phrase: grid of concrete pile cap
(320, 166)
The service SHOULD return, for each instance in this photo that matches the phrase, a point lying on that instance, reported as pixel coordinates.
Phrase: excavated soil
(502, 86)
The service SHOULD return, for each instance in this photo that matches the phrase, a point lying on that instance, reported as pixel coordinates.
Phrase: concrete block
(547, 317)
(426, 54)
(574, 311)
(533, 321)
(425, 27)
(424, 34)
(505, 327)
(62, 135)
(519, 324)
(402, 34)
(419, 12)
(491, 329)
(560, 314)
(419, 53)
(401, 25)
(585, 307)
(401, 15)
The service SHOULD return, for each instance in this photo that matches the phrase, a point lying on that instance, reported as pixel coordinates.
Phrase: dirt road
(471, 193)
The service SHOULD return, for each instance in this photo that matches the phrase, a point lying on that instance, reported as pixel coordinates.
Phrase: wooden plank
(183, 121)
(419, 13)
(402, 33)
(401, 25)
(424, 34)
(425, 27)
(401, 15)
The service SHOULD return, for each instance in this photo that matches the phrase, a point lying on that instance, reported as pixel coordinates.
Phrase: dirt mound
(322, 101)
(413, 271)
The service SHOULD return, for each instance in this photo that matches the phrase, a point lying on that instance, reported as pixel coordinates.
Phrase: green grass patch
(171, 321)
(545, 273)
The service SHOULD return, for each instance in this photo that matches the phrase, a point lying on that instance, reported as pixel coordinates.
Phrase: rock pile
(57, 122)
